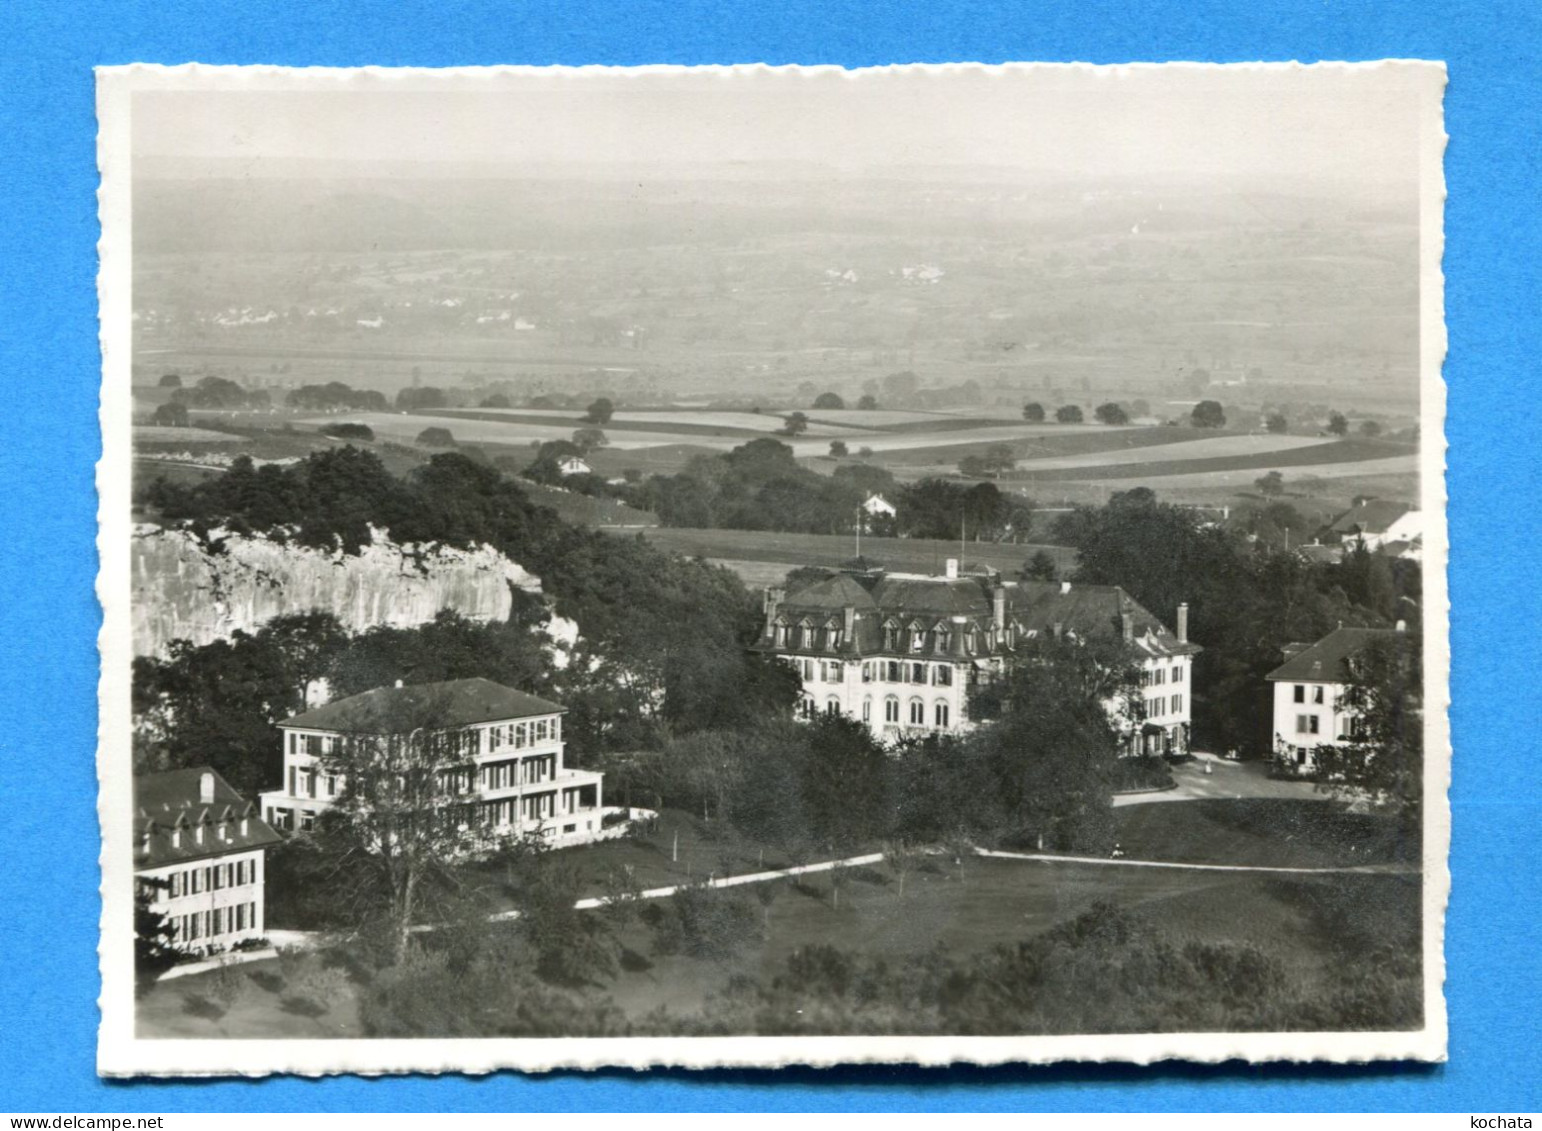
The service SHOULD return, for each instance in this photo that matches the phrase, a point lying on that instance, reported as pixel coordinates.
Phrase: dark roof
(1033, 607)
(164, 802)
(1372, 516)
(1324, 661)
(454, 703)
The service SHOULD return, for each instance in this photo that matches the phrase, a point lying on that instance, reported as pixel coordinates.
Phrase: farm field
(1371, 456)
(159, 434)
(1234, 478)
(752, 553)
(1211, 447)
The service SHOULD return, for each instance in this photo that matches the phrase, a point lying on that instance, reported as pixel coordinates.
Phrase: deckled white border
(121, 1053)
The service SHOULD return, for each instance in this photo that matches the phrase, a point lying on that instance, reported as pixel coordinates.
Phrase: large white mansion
(901, 652)
(513, 776)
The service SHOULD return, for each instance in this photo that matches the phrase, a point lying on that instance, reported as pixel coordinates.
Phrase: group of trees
(661, 647)
(938, 508)
(335, 395)
(219, 393)
(1042, 774)
(1247, 599)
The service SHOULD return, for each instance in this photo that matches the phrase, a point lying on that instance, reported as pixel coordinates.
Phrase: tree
(838, 449)
(587, 439)
(1208, 414)
(1069, 414)
(170, 381)
(172, 414)
(404, 812)
(829, 400)
(1111, 413)
(346, 431)
(973, 467)
(1271, 484)
(155, 950)
(1338, 424)
(1041, 567)
(436, 437)
(1275, 422)
(1033, 412)
(1054, 743)
(599, 411)
(425, 396)
(1385, 755)
(867, 402)
(865, 452)
(1370, 429)
(795, 423)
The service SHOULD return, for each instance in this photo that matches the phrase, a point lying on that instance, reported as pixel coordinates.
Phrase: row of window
(1354, 727)
(311, 783)
(530, 733)
(881, 671)
(941, 711)
(1159, 676)
(519, 735)
(209, 877)
(212, 924)
(914, 639)
(519, 771)
(1319, 693)
(1158, 705)
(536, 807)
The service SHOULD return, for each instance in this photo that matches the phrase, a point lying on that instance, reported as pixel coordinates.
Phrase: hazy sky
(1352, 125)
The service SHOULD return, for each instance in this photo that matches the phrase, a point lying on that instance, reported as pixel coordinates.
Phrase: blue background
(49, 616)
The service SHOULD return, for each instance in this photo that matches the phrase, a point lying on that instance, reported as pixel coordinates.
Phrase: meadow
(1315, 924)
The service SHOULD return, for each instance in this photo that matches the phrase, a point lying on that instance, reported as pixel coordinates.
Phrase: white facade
(1308, 714)
(1165, 703)
(514, 775)
(209, 904)
(894, 697)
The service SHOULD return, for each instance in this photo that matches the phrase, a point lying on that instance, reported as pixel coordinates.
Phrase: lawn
(1315, 924)
(906, 555)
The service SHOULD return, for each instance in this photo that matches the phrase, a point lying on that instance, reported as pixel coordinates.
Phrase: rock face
(182, 590)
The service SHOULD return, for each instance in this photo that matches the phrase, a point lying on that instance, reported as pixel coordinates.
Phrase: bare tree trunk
(404, 912)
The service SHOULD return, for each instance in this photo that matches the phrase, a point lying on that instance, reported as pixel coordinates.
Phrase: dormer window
(944, 637)
(805, 635)
(891, 636)
(779, 634)
(917, 636)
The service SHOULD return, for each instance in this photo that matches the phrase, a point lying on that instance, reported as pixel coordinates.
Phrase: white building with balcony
(514, 775)
(902, 652)
(199, 851)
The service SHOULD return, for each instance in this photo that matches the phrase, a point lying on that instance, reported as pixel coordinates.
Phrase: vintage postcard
(761, 566)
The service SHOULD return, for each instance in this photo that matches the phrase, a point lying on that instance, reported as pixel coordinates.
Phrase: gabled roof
(173, 800)
(437, 706)
(1372, 516)
(1325, 661)
(1090, 610)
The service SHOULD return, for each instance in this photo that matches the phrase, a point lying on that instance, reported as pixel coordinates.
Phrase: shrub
(1145, 771)
(349, 431)
(704, 922)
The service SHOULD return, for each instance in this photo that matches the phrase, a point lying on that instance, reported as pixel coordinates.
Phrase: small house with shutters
(199, 852)
(1310, 690)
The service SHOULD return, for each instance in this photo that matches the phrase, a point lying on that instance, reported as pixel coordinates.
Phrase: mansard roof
(1033, 607)
(164, 803)
(438, 706)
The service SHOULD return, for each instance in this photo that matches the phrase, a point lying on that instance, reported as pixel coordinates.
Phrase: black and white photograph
(748, 566)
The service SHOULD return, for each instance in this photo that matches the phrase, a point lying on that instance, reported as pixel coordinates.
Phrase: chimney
(956, 635)
(950, 570)
(999, 608)
(206, 788)
(1127, 626)
(1183, 623)
(1065, 587)
(771, 602)
(849, 625)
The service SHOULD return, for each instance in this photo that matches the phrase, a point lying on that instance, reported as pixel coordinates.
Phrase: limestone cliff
(183, 589)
